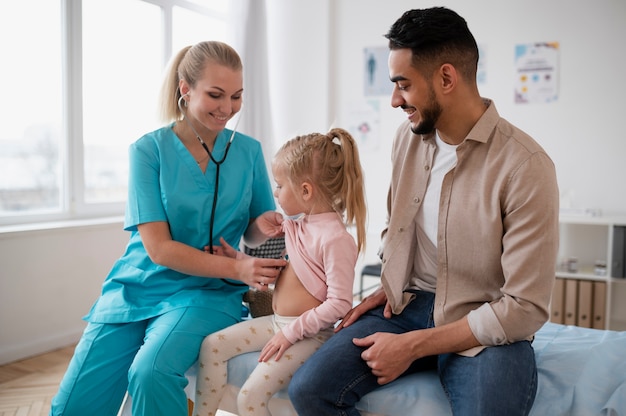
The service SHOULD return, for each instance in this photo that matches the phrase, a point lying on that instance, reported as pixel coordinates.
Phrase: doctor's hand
(257, 272)
(226, 250)
(270, 224)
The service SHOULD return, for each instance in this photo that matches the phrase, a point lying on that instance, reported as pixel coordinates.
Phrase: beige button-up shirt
(497, 229)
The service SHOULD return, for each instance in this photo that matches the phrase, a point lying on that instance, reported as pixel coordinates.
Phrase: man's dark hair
(436, 36)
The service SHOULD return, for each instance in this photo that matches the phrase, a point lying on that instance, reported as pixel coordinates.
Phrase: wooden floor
(27, 386)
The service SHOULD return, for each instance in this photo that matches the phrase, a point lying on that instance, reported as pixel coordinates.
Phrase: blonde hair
(331, 162)
(188, 64)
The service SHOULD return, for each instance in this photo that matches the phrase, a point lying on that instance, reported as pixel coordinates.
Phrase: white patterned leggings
(266, 379)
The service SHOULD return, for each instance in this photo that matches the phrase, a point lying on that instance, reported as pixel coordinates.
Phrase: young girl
(319, 181)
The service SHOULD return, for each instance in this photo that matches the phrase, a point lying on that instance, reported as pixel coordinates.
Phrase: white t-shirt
(427, 218)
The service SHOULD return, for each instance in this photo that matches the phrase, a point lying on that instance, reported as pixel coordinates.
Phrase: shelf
(591, 239)
(590, 220)
(581, 276)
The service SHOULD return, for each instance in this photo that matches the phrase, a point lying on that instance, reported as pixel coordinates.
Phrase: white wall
(299, 36)
(582, 131)
(49, 279)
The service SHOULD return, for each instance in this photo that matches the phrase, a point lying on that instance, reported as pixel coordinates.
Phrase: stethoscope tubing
(217, 163)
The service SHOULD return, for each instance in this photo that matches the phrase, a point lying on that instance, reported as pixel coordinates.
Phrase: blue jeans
(498, 381)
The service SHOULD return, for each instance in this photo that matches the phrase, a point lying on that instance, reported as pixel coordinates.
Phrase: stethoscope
(218, 163)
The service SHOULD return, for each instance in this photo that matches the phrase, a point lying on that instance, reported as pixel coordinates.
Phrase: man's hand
(372, 301)
(388, 355)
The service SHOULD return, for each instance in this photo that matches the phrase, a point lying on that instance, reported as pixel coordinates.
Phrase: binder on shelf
(556, 304)
(585, 297)
(571, 301)
(599, 305)
(618, 269)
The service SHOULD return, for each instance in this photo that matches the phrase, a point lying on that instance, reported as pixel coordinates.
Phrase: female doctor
(190, 183)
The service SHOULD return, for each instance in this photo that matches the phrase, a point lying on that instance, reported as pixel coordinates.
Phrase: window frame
(73, 206)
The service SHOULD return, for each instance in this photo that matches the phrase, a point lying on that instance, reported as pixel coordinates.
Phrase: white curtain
(248, 23)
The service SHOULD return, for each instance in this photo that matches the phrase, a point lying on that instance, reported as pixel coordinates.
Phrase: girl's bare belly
(290, 297)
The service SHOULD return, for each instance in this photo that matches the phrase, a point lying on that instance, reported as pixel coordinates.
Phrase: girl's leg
(96, 379)
(215, 352)
(271, 376)
(172, 343)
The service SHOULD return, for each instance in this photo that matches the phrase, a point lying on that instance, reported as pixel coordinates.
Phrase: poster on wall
(376, 72)
(363, 123)
(481, 71)
(536, 67)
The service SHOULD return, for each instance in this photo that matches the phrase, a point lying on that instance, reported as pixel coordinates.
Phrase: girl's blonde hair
(188, 64)
(330, 162)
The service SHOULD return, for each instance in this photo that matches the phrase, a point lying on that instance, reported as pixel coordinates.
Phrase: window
(83, 84)
(121, 74)
(30, 78)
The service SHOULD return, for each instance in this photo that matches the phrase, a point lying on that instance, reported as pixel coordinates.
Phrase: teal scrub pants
(148, 358)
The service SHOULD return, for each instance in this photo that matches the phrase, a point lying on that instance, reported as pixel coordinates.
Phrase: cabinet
(590, 289)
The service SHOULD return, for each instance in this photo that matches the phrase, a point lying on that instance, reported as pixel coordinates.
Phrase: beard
(430, 116)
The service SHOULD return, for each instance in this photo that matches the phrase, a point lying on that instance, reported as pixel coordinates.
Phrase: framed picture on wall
(537, 69)
(376, 72)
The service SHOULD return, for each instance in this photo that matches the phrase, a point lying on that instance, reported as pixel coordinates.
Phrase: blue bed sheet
(582, 372)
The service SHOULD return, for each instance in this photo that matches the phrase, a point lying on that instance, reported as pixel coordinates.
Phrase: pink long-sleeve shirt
(323, 254)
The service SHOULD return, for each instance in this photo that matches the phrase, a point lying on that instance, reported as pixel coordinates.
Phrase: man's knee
(300, 384)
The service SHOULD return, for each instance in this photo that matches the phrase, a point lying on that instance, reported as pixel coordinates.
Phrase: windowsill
(58, 225)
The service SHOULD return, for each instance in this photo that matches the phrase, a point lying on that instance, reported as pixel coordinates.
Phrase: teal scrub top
(166, 184)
